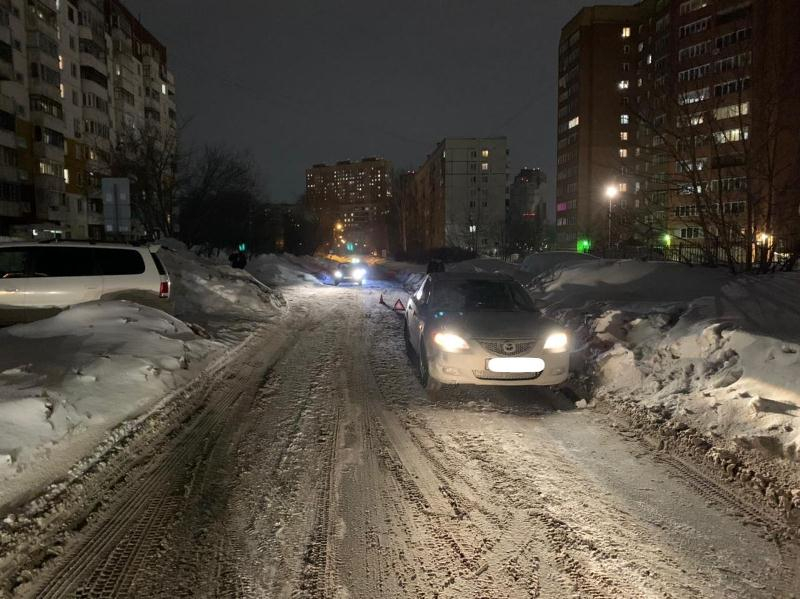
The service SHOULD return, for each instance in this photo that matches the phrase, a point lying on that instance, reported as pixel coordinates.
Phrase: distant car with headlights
(482, 329)
(353, 272)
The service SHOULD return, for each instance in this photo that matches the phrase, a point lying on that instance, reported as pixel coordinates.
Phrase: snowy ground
(303, 459)
(316, 466)
(66, 381)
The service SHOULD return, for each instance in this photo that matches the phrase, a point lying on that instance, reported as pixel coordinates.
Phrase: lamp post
(612, 191)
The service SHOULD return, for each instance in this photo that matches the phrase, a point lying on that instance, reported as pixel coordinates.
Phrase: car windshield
(476, 294)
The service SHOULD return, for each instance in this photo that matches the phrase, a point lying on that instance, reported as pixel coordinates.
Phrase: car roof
(445, 277)
(80, 244)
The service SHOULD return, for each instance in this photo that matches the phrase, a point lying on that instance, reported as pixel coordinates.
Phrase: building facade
(596, 64)
(72, 74)
(351, 200)
(461, 194)
(527, 211)
(697, 106)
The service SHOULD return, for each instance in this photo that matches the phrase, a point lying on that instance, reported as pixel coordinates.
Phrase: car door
(62, 276)
(124, 273)
(415, 313)
(13, 279)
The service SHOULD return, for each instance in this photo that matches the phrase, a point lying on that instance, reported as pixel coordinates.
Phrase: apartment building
(351, 200)
(461, 193)
(596, 69)
(696, 103)
(73, 73)
(527, 211)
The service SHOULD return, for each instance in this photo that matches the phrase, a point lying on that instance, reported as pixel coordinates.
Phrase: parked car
(354, 272)
(39, 279)
(482, 329)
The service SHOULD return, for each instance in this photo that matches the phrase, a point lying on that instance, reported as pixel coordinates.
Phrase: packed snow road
(312, 464)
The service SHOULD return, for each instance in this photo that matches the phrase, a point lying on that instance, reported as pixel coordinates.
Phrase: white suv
(40, 279)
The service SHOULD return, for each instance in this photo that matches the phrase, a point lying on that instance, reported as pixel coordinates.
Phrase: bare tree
(154, 162)
(220, 203)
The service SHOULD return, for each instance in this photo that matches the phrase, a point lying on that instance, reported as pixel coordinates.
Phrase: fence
(710, 255)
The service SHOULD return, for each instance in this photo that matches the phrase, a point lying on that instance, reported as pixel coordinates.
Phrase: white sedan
(482, 329)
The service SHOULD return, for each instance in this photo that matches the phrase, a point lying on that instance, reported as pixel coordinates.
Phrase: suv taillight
(163, 289)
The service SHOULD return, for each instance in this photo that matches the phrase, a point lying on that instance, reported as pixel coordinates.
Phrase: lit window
(623, 153)
(626, 32)
(623, 135)
(574, 122)
(485, 153)
(624, 119)
(66, 175)
(649, 59)
(61, 88)
(623, 84)
(484, 166)
(623, 187)
(164, 88)
(60, 62)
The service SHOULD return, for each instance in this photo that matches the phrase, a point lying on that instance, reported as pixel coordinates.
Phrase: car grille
(507, 348)
(488, 375)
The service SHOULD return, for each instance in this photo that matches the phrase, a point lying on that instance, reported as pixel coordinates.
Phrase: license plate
(515, 364)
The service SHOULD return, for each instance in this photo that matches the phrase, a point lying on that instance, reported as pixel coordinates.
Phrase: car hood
(494, 325)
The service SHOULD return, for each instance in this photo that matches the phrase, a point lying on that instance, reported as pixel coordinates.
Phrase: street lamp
(473, 231)
(612, 191)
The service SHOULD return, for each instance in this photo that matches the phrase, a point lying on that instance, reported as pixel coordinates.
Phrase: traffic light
(584, 245)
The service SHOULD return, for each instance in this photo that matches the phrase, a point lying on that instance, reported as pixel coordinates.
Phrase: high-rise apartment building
(73, 73)
(351, 200)
(597, 59)
(461, 193)
(676, 121)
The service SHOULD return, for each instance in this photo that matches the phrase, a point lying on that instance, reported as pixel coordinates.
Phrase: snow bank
(216, 295)
(538, 264)
(274, 269)
(90, 367)
(717, 352)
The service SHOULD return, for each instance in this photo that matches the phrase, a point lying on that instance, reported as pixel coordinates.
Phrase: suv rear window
(62, 262)
(12, 262)
(119, 262)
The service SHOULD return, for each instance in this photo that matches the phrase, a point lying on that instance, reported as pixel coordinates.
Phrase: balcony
(48, 151)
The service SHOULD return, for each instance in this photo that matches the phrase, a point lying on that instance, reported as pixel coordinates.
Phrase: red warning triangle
(399, 307)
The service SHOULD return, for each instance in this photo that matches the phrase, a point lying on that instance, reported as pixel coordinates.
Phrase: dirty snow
(721, 353)
(215, 295)
(89, 367)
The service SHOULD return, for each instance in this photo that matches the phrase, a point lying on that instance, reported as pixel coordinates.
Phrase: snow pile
(538, 264)
(491, 265)
(88, 368)
(716, 352)
(215, 295)
(274, 269)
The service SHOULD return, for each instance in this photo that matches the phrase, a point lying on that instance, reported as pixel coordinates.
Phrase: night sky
(298, 81)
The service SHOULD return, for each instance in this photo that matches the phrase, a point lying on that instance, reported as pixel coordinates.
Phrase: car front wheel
(425, 377)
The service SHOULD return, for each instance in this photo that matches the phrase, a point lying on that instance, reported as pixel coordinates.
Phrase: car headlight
(338, 274)
(450, 342)
(359, 273)
(556, 342)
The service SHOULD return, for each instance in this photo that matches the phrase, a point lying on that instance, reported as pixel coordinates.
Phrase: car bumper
(470, 369)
